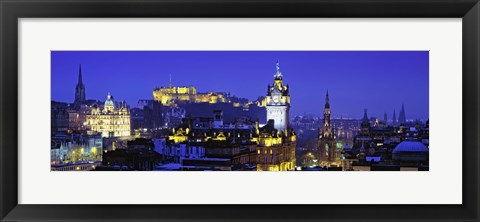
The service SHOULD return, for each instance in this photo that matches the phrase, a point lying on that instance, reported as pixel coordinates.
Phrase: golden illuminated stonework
(277, 141)
(110, 121)
(171, 94)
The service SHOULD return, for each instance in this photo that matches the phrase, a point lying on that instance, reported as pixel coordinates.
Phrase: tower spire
(394, 119)
(365, 125)
(79, 90)
(170, 81)
(401, 117)
(327, 101)
(365, 117)
(327, 144)
(278, 74)
(80, 82)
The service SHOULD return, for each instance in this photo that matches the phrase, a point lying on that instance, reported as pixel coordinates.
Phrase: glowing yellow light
(78, 168)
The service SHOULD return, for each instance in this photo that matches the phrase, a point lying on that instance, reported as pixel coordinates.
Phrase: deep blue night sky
(379, 81)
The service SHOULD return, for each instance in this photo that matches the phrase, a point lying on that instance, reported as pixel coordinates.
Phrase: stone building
(112, 121)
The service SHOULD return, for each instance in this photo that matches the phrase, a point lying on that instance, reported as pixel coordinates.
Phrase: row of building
(244, 144)
(379, 146)
(159, 134)
(194, 143)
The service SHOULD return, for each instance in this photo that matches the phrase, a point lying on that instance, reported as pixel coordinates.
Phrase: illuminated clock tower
(278, 102)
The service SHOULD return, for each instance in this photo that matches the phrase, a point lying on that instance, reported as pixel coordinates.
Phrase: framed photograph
(223, 110)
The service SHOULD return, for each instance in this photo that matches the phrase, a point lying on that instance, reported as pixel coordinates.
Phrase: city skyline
(381, 81)
(218, 118)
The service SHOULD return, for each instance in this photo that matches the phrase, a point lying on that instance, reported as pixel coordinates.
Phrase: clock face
(276, 99)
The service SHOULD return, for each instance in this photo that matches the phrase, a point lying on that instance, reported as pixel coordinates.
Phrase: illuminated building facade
(242, 144)
(204, 143)
(112, 121)
(71, 151)
(277, 141)
(275, 150)
(172, 94)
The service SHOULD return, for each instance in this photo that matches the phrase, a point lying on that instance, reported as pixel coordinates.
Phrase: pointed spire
(79, 90)
(401, 117)
(278, 74)
(394, 119)
(327, 101)
(170, 81)
(80, 82)
(365, 117)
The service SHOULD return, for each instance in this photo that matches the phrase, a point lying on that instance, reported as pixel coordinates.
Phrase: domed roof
(410, 146)
(109, 101)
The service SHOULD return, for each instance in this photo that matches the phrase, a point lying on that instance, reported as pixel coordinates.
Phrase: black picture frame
(11, 11)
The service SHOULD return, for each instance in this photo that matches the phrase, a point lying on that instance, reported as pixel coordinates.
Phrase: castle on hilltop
(172, 94)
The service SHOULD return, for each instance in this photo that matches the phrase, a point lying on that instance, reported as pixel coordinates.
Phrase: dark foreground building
(139, 155)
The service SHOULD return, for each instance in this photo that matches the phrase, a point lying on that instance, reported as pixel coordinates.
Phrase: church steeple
(394, 119)
(327, 101)
(365, 117)
(365, 125)
(80, 75)
(401, 117)
(79, 90)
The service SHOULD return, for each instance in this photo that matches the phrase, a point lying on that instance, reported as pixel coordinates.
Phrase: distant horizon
(379, 81)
